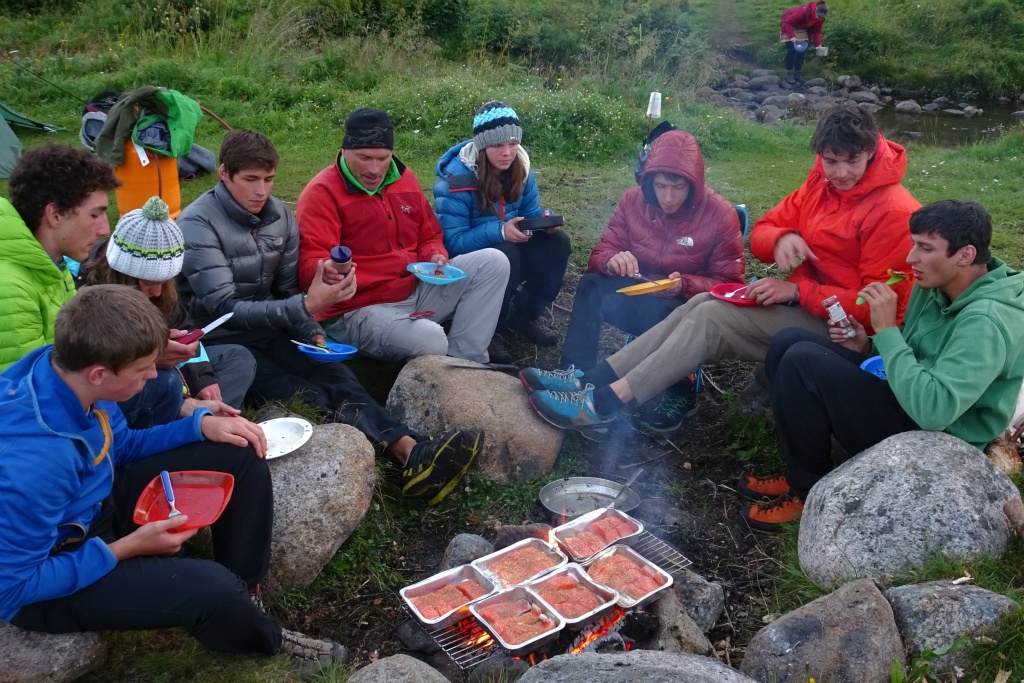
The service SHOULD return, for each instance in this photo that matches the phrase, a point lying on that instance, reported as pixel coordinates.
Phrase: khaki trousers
(703, 330)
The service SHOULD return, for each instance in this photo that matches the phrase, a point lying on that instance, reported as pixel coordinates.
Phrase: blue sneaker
(536, 379)
(572, 410)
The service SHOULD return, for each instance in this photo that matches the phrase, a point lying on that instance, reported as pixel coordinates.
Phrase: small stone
(931, 107)
(1017, 115)
(398, 668)
(970, 111)
(769, 114)
(908, 107)
(864, 96)
(764, 81)
(953, 112)
(815, 83)
(509, 534)
(414, 638)
(463, 549)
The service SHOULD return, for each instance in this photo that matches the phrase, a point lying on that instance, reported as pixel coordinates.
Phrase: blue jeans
(158, 403)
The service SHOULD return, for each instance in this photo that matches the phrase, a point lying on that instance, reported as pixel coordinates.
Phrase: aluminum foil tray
(608, 596)
(586, 522)
(626, 602)
(485, 563)
(511, 595)
(448, 578)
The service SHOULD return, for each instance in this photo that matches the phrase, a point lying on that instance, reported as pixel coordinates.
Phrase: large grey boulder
(932, 615)
(899, 502)
(31, 657)
(703, 600)
(397, 669)
(638, 666)
(321, 493)
(676, 630)
(848, 636)
(435, 393)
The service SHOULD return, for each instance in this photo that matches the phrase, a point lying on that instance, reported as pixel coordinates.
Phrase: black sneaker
(307, 652)
(435, 467)
(497, 352)
(668, 414)
(533, 330)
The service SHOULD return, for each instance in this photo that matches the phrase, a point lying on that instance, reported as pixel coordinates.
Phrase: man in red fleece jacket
(371, 203)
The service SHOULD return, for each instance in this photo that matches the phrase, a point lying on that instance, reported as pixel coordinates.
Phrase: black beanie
(368, 128)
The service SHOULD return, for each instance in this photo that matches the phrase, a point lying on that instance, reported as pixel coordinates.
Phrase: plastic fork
(169, 493)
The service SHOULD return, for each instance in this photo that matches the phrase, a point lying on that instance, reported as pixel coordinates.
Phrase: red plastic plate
(199, 494)
(720, 291)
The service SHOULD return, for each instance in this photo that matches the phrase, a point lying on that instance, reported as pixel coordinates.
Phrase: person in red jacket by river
(845, 227)
(801, 24)
(671, 226)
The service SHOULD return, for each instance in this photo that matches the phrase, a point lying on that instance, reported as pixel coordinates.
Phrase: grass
(294, 71)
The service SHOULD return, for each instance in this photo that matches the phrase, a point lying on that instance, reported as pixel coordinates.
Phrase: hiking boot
(310, 653)
(257, 597)
(572, 410)
(759, 488)
(536, 379)
(497, 352)
(798, 77)
(772, 514)
(790, 78)
(532, 330)
(435, 467)
(667, 415)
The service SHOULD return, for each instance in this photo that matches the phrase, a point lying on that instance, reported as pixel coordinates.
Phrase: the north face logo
(685, 241)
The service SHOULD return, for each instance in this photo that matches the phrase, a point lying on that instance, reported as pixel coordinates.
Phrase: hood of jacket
(676, 152)
(21, 247)
(1000, 287)
(461, 159)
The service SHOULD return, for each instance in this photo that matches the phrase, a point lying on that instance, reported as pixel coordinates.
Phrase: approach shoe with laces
(533, 330)
(435, 467)
(536, 379)
(498, 353)
(770, 515)
(572, 410)
(310, 654)
(759, 488)
(668, 414)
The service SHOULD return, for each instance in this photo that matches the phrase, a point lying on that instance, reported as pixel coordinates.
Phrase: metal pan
(438, 581)
(485, 563)
(586, 522)
(566, 499)
(511, 595)
(608, 596)
(626, 602)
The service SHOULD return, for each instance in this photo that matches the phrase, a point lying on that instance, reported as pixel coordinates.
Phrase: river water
(946, 130)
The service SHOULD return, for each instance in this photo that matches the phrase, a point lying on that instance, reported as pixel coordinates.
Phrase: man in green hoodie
(955, 365)
(58, 208)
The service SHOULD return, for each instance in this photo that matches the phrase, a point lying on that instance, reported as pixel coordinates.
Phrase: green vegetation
(578, 73)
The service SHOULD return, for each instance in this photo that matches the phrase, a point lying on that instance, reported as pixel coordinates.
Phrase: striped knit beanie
(147, 244)
(495, 123)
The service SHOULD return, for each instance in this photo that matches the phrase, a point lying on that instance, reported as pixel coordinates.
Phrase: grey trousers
(235, 368)
(703, 330)
(473, 304)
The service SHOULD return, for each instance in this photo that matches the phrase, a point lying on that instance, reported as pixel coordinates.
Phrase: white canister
(654, 106)
(821, 51)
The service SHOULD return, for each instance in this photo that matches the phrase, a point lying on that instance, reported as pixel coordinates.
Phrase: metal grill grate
(461, 642)
(660, 553)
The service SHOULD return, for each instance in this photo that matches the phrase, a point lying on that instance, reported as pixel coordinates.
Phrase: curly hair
(59, 175)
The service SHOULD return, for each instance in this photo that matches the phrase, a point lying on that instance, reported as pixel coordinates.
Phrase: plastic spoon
(169, 492)
(638, 276)
(310, 346)
(626, 486)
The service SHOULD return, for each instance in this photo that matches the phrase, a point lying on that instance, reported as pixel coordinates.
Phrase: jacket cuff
(197, 417)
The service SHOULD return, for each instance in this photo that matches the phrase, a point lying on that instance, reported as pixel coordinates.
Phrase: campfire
(617, 625)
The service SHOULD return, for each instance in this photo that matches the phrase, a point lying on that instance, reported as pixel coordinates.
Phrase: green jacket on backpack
(32, 289)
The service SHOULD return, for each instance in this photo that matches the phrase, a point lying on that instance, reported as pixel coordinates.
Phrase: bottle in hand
(837, 315)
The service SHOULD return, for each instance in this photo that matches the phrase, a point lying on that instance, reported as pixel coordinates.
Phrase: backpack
(645, 150)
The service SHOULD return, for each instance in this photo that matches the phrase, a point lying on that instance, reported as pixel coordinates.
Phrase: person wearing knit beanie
(147, 244)
(495, 123)
(485, 189)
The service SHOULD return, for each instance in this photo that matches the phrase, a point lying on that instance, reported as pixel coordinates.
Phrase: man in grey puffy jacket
(241, 256)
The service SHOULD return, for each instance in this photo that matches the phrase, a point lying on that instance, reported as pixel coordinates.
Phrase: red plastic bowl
(200, 494)
(720, 291)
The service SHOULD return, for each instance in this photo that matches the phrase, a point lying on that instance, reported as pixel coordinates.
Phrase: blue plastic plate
(425, 272)
(337, 352)
(875, 367)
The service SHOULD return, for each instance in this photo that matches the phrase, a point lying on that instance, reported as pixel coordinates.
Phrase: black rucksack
(663, 127)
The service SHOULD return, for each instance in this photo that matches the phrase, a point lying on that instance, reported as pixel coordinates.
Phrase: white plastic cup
(654, 106)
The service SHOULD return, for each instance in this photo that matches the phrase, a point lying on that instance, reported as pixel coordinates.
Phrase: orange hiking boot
(771, 515)
(759, 488)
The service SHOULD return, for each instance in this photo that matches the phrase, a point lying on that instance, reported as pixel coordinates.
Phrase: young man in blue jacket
(71, 557)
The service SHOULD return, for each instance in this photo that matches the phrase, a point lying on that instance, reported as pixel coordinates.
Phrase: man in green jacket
(58, 208)
(955, 365)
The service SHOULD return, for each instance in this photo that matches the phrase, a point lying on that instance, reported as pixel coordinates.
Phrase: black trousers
(819, 390)
(539, 266)
(794, 60)
(210, 599)
(596, 302)
(282, 372)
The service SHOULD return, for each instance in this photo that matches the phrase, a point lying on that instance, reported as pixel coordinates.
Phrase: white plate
(285, 434)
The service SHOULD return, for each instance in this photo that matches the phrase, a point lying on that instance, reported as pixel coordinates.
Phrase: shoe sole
(596, 433)
(753, 495)
(664, 431)
(453, 481)
(765, 527)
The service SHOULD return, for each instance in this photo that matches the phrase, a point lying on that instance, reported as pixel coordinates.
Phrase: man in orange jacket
(845, 227)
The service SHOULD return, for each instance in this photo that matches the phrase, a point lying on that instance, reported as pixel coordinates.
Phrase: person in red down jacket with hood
(844, 228)
(672, 226)
(806, 20)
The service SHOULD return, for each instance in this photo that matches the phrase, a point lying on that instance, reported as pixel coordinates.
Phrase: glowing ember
(551, 537)
(483, 639)
(599, 630)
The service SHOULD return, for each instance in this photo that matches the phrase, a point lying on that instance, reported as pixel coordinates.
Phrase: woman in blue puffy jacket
(485, 188)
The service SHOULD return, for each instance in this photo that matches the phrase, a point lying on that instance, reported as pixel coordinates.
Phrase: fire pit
(468, 643)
